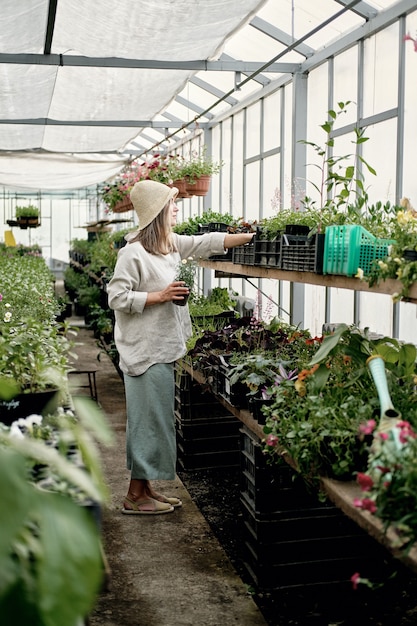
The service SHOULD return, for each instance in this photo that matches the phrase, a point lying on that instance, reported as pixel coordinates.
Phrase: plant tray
(244, 255)
(301, 253)
(268, 252)
(348, 248)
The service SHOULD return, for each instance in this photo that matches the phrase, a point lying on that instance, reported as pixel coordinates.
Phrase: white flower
(7, 316)
(359, 273)
(15, 431)
(7, 304)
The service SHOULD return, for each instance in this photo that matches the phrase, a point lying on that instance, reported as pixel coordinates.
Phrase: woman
(151, 334)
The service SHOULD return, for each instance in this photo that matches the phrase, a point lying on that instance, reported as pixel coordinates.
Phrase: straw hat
(149, 198)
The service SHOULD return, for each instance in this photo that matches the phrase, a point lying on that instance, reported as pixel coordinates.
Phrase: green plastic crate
(348, 248)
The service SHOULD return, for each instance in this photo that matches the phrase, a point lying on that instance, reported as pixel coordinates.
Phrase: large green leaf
(70, 573)
(329, 343)
(16, 502)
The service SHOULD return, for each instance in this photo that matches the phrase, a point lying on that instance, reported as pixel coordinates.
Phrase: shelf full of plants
(313, 401)
(51, 478)
(374, 253)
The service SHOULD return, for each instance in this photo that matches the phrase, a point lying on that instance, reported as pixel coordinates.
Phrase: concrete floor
(165, 570)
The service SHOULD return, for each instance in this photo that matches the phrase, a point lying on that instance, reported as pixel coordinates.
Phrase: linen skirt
(151, 450)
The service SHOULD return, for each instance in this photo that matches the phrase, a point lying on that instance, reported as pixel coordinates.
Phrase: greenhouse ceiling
(88, 86)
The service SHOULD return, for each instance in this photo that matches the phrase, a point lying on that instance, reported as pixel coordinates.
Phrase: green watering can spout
(389, 416)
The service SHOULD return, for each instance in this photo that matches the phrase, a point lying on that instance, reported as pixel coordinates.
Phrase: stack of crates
(207, 434)
(292, 540)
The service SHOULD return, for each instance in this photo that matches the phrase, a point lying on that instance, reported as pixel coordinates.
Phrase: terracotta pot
(123, 206)
(181, 186)
(199, 186)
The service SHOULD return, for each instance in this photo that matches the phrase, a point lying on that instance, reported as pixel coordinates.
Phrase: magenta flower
(406, 431)
(367, 428)
(366, 504)
(408, 37)
(1, 297)
(272, 441)
(355, 580)
(364, 481)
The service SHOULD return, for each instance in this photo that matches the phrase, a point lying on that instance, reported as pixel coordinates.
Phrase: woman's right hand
(173, 291)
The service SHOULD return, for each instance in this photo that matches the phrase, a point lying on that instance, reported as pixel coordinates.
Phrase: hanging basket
(181, 185)
(199, 186)
(123, 206)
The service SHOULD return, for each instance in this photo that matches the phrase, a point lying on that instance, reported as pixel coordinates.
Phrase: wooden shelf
(387, 287)
(342, 494)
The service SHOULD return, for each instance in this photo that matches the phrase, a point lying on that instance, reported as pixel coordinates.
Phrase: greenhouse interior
(250, 162)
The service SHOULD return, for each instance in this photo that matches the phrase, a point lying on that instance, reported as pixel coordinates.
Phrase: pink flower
(408, 37)
(367, 428)
(364, 481)
(1, 297)
(366, 504)
(406, 431)
(355, 580)
(383, 436)
(272, 441)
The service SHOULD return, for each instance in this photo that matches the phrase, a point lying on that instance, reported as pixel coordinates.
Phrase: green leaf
(17, 500)
(329, 342)
(70, 572)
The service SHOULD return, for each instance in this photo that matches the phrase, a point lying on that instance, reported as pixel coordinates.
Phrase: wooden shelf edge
(342, 494)
(386, 287)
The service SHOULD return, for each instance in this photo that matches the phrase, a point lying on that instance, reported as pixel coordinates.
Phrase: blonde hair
(156, 238)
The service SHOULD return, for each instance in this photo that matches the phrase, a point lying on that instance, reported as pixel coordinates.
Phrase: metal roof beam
(111, 123)
(363, 9)
(193, 107)
(259, 78)
(213, 90)
(279, 35)
(63, 60)
(50, 26)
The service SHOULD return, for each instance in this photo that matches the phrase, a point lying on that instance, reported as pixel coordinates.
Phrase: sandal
(175, 502)
(146, 507)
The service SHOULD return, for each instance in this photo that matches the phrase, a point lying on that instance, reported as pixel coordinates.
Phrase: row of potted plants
(190, 175)
(50, 552)
(319, 404)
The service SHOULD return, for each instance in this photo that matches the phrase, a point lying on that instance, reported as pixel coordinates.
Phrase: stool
(91, 385)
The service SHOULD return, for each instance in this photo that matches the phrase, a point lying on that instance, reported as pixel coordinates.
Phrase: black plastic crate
(268, 575)
(268, 252)
(244, 255)
(203, 428)
(195, 394)
(275, 498)
(213, 227)
(320, 521)
(307, 549)
(206, 460)
(235, 394)
(223, 443)
(301, 253)
(198, 410)
(269, 476)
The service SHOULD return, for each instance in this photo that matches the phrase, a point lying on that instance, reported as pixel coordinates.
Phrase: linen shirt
(157, 333)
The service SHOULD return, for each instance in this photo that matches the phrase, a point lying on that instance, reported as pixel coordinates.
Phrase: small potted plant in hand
(186, 271)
